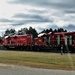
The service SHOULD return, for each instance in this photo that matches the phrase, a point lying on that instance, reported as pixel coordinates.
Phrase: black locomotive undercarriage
(53, 48)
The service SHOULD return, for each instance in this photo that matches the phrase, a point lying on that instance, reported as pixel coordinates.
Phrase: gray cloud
(31, 18)
(23, 22)
(27, 1)
(17, 23)
(70, 27)
(48, 3)
(70, 11)
(5, 20)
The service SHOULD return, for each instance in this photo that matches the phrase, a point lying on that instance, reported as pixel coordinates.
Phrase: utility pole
(61, 50)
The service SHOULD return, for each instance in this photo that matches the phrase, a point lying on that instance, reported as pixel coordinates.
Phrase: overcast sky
(40, 14)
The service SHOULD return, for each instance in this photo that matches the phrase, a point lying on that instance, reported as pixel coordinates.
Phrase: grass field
(39, 59)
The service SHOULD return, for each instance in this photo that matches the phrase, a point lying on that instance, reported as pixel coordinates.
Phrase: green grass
(39, 59)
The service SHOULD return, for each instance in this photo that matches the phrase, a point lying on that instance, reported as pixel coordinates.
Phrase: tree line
(55, 30)
(30, 30)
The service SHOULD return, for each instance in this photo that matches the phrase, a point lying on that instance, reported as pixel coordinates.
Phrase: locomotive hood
(41, 34)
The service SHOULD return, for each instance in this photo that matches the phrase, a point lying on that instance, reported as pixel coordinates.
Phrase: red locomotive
(18, 41)
(53, 41)
(57, 40)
